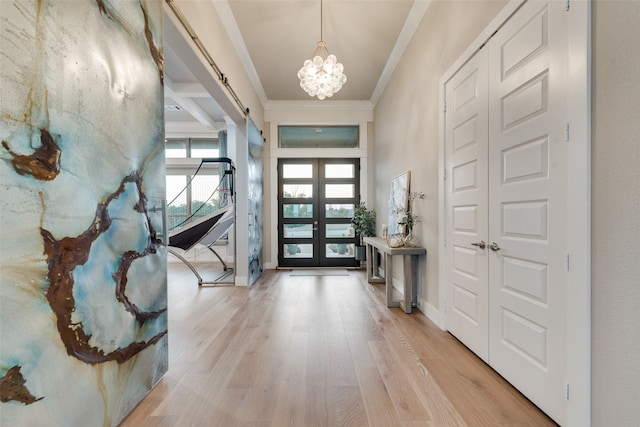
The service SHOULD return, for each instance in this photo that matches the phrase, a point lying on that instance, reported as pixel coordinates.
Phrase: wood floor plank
(220, 413)
(406, 403)
(317, 351)
(438, 407)
(349, 407)
(377, 402)
(289, 409)
(464, 375)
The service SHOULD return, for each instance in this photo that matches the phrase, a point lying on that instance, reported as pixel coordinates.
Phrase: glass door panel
(339, 230)
(294, 170)
(298, 230)
(297, 191)
(339, 185)
(298, 251)
(340, 250)
(339, 210)
(340, 191)
(297, 210)
(340, 171)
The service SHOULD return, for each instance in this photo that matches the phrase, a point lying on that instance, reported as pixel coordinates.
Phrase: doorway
(316, 199)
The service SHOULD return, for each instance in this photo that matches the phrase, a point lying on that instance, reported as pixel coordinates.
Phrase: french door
(506, 191)
(467, 220)
(316, 199)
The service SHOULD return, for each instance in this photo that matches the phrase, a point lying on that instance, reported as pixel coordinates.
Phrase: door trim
(578, 292)
(319, 222)
(363, 118)
(271, 205)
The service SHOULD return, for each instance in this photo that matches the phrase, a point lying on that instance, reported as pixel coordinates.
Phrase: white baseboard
(242, 281)
(432, 313)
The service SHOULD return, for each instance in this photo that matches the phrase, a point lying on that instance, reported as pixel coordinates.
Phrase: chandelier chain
(321, 39)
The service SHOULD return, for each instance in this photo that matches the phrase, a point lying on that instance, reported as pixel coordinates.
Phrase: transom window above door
(318, 136)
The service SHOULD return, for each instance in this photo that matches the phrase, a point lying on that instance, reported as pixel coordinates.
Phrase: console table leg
(415, 259)
(369, 261)
(406, 298)
(388, 274)
(410, 258)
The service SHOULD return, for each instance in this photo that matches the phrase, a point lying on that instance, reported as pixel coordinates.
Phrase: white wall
(616, 213)
(406, 122)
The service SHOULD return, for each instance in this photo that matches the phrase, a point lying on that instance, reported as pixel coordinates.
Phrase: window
(192, 148)
(318, 136)
(183, 202)
(176, 149)
(204, 148)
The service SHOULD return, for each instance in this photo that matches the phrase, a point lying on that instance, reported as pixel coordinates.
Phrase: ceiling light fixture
(323, 75)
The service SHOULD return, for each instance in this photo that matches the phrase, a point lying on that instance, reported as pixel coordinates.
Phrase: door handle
(494, 247)
(481, 244)
(163, 210)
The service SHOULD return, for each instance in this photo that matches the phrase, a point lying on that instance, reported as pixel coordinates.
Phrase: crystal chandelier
(321, 76)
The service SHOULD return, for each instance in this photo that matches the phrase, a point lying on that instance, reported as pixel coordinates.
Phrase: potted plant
(364, 225)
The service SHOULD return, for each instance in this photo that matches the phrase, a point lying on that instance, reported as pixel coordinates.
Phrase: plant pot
(361, 253)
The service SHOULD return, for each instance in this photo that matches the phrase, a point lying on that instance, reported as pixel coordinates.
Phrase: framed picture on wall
(398, 201)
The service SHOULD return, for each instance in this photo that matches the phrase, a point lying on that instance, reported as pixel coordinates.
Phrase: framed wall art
(398, 201)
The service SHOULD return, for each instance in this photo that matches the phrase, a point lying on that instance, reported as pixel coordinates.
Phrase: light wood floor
(317, 351)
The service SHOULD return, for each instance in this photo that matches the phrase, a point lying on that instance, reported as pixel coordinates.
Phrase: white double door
(505, 203)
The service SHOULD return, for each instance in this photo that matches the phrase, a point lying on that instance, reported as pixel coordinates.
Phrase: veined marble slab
(83, 299)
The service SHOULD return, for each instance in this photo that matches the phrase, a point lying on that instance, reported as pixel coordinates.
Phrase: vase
(395, 240)
(411, 240)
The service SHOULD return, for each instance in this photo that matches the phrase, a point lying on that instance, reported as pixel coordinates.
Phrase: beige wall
(616, 213)
(406, 120)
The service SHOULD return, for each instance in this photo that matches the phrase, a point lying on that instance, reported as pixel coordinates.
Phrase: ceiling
(274, 37)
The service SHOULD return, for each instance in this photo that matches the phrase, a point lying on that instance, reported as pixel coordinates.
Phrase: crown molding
(318, 111)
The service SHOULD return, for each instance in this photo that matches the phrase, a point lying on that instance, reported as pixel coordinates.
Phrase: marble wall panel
(83, 301)
(256, 202)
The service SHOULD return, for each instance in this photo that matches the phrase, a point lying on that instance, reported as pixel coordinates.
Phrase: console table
(410, 256)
